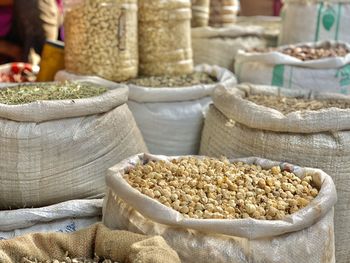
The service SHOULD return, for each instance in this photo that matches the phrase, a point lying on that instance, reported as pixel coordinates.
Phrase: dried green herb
(23, 94)
(195, 78)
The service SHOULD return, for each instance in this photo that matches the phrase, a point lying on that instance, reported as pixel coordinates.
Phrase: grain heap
(211, 188)
(67, 259)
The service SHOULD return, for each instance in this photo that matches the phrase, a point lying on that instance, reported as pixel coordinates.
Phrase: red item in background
(17, 72)
(5, 20)
(277, 6)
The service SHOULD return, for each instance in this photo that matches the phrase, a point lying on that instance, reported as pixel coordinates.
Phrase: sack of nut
(315, 20)
(219, 46)
(220, 210)
(294, 126)
(319, 67)
(90, 245)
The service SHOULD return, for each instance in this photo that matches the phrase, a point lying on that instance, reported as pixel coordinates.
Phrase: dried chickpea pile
(212, 188)
(289, 104)
(195, 78)
(305, 53)
(68, 260)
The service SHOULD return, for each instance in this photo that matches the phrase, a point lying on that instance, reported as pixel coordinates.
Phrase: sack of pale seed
(271, 27)
(171, 117)
(58, 139)
(164, 32)
(101, 38)
(315, 20)
(209, 210)
(319, 67)
(219, 46)
(200, 13)
(223, 13)
(94, 244)
(64, 217)
(313, 133)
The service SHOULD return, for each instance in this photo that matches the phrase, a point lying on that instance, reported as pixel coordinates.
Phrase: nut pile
(210, 188)
(67, 259)
(22, 94)
(101, 39)
(289, 104)
(195, 78)
(164, 37)
(305, 53)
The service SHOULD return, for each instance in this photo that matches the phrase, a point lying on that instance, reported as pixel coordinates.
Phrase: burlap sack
(235, 127)
(305, 236)
(219, 46)
(315, 20)
(54, 151)
(200, 13)
(278, 69)
(118, 246)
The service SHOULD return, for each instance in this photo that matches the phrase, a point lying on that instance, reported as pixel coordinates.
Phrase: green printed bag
(281, 70)
(315, 20)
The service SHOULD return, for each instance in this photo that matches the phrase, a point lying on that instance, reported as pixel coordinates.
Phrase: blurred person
(25, 26)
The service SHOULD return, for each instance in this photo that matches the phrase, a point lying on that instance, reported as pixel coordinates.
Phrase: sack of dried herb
(58, 144)
(294, 126)
(164, 32)
(306, 235)
(219, 46)
(171, 117)
(96, 242)
(169, 110)
(321, 67)
(64, 217)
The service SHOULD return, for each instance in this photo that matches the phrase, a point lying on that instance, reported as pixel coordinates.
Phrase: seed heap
(68, 260)
(305, 53)
(288, 104)
(195, 78)
(22, 94)
(210, 188)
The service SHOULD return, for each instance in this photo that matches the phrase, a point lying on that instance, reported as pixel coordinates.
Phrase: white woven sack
(278, 69)
(64, 217)
(54, 151)
(171, 119)
(219, 46)
(305, 236)
(237, 128)
(315, 20)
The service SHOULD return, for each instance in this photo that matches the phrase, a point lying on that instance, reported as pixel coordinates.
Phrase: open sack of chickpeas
(294, 126)
(322, 66)
(91, 245)
(219, 210)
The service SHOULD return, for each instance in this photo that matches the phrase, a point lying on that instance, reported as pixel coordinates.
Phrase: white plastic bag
(64, 217)
(278, 69)
(305, 236)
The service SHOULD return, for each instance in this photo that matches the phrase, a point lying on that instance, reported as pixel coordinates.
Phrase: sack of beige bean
(319, 67)
(219, 46)
(58, 140)
(170, 110)
(223, 12)
(164, 35)
(94, 244)
(295, 126)
(200, 13)
(219, 210)
(65, 217)
(101, 38)
(271, 27)
(315, 20)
